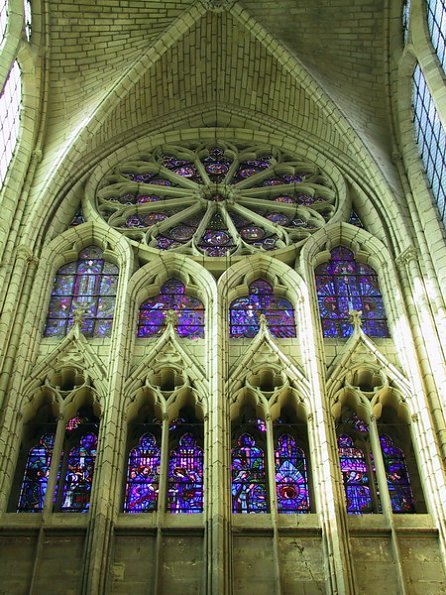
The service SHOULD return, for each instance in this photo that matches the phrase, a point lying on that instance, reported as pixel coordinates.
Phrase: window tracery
(173, 296)
(244, 313)
(343, 284)
(88, 284)
(216, 199)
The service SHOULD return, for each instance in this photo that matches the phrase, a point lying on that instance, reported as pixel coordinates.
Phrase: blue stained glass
(398, 482)
(216, 164)
(244, 313)
(172, 297)
(78, 477)
(35, 479)
(185, 484)
(90, 283)
(343, 285)
(249, 493)
(291, 477)
(143, 476)
(355, 476)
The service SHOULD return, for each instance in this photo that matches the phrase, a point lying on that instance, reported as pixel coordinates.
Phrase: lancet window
(147, 474)
(88, 286)
(173, 296)
(250, 466)
(245, 311)
(436, 21)
(343, 284)
(69, 468)
(10, 105)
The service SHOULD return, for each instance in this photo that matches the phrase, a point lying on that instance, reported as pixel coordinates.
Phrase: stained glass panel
(172, 296)
(78, 476)
(185, 483)
(291, 476)
(37, 470)
(244, 313)
(436, 21)
(355, 476)
(249, 494)
(10, 104)
(398, 482)
(343, 285)
(143, 476)
(90, 284)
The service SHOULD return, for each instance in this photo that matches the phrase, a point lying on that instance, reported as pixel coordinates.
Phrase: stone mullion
(162, 504)
(386, 502)
(340, 574)
(217, 447)
(271, 470)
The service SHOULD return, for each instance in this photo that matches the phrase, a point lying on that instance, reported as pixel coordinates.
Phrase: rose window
(216, 199)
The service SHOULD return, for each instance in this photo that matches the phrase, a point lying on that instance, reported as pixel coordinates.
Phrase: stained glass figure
(398, 481)
(355, 476)
(185, 482)
(343, 284)
(249, 494)
(234, 199)
(141, 492)
(172, 296)
(89, 284)
(244, 313)
(35, 479)
(291, 476)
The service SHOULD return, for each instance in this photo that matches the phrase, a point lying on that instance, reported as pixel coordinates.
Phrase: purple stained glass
(185, 481)
(89, 283)
(249, 494)
(244, 313)
(181, 167)
(246, 169)
(35, 479)
(141, 492)
(343, 285)
(78, 474)
(355, 476)
(216, 164)
(172, 297)
(398, 481)
(291, 476)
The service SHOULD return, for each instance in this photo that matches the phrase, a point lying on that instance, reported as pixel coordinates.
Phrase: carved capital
(408, 255)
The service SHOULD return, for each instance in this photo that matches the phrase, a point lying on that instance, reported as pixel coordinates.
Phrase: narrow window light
(10, 101)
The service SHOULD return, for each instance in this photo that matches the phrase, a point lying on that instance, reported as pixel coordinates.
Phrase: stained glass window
(37, 470)
(88, 284)
(172, 296)
(75, 475)
(343, 284)
(291, 476)
(216, 199)
(405, 19)
(185, 483)
(143, 475)
(10, 102)
(436, 21)
(249, 492)
(398, 482)
(244, 313)
(355, 219)
(431, 140)
(28, 19)
(355, 475)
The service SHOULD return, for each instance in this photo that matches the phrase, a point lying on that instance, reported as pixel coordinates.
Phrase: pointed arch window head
(249, 493)
(291, 476)
(88, 284)
(436, 21)
(185, 482)
(173, 296)
(143, 475)
(343, 284)
(10, 104)
(245, 311)
(400, 491)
